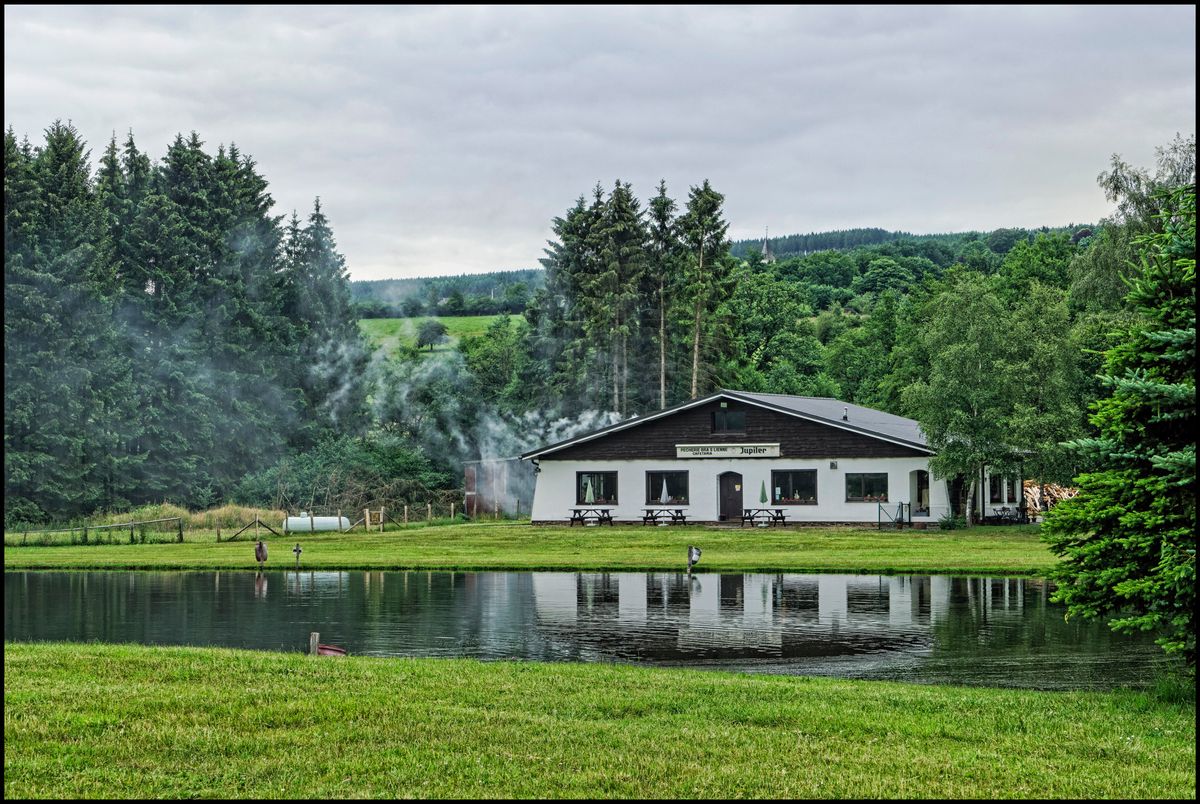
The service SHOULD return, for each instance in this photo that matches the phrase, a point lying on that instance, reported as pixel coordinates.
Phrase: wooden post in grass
(367, 519)
(406, 513)
(131, 534)
(256, 527)
(314, 639)
(218, 534)
(180, 521)
(381, 519)
(312, 526)
(452, 510)
(340, 521)
(85, 534)
(429, 511)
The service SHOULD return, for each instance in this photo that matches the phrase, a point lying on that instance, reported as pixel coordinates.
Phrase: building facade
(818, 460)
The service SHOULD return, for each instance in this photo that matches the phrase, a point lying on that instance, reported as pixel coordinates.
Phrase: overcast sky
(445, 139)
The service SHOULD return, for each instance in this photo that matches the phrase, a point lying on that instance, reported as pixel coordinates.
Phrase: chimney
(845, 414)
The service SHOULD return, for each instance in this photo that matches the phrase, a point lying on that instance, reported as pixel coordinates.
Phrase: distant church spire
(767, 256)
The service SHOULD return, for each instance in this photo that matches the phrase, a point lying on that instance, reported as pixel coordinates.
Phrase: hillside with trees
(491, 293)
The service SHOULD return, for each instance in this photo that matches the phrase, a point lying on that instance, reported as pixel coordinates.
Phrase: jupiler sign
(726, 450)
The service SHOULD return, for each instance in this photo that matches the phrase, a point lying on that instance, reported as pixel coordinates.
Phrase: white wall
(554, 495)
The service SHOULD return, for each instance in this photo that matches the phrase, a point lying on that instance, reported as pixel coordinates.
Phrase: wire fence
(177, 529)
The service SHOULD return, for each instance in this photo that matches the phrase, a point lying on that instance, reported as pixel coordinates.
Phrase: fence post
(256, 527)
(131, 534)
(406, 513)
(452, 510)
(381, 519)
(312, 525)
(314, 639)
(180, 523)
(340, 521)
(85, 534)
(366, 520)
(428, 512)
(518, 508)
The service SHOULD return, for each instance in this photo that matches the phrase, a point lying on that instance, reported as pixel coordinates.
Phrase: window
(729, 421)
(667, 488)
(921, 498)
(1012, 490)
(797, 487)
(595, 488)
(867, 487)
(995, 494)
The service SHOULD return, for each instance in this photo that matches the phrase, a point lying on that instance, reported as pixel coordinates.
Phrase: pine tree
(332, 354)
(620, 239)
(1128, 539)
(662, 273)
(707, 267)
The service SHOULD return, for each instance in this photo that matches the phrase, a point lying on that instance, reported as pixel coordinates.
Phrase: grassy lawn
(122, 721)
(388, 333)
(521, 546)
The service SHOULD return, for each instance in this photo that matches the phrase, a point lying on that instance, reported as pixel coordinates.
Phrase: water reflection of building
(752, 614)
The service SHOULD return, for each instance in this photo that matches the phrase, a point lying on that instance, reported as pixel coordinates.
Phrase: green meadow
(507, 545)
(389, 334)
(101, 721)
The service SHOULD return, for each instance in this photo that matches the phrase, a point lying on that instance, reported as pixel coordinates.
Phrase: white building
(817, 460)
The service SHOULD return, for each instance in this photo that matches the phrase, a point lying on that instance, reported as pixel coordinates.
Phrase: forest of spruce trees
(164, 333)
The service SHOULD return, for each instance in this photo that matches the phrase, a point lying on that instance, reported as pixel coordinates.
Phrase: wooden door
(730, 485)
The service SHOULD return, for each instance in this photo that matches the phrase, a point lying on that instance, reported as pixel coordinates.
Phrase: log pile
(1044, 496)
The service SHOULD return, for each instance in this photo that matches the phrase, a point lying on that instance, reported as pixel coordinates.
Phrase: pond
(919, 628)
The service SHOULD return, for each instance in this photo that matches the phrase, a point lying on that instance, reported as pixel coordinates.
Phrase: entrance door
(730, 494)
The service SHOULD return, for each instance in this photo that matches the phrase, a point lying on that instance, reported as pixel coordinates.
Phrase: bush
(349, 473)
(952, 522)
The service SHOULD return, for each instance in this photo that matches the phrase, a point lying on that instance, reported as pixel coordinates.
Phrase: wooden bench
(600, 516)
(771, 516)
(667, 516)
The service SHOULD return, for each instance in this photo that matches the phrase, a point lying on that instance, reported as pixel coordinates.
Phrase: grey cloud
(444, 139)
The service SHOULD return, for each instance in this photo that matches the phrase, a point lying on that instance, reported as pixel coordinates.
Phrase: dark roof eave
(537, 453)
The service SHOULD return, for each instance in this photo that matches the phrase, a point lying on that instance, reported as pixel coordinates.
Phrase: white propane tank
(308, 524)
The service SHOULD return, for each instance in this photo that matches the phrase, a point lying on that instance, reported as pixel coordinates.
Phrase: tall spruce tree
(332, 355)
(707, 267)
(1128, 539)
(554, 316)
(662, 274)
(621, 240)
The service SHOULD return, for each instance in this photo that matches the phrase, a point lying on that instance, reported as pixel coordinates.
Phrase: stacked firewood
(1044, 496)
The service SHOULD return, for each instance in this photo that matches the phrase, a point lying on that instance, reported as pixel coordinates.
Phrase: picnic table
(664, 516)
(583, 516)
(768, 516)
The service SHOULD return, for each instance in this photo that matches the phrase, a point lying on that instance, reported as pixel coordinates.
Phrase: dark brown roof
(858, 419)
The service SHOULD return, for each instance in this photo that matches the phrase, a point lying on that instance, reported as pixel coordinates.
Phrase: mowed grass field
(101, 721)
(387, 334)
(502, 545)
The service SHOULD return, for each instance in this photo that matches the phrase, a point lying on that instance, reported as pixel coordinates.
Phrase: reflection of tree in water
(999, 628)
